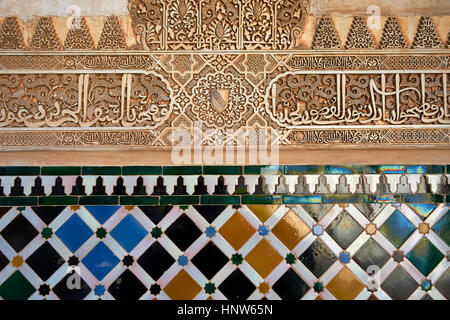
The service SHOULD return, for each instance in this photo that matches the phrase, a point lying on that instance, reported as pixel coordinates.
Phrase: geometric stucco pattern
(227, 66)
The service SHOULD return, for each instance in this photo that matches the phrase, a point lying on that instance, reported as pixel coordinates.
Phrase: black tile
(156, 260)
(371, 253)
(48, 213)
(290, 286)
(76, 292)
(183, 232)
(399, 285)
(210, 213)
(318, 258)
(3, 261)
(45, 261)
(210, 260)
(4, 210)
(236, 286)
(344, 229)
(127, 287)
(19, 232)
(155, 213)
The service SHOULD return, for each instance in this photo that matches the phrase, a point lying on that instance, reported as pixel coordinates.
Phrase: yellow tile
(319, 297)
(237, 230)
(263, 212)
(182, 287)
(290, 230)
(263, 258)
(345, 285)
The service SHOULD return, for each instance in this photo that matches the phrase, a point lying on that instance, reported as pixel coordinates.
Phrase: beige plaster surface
(387, 7)
(163, 157)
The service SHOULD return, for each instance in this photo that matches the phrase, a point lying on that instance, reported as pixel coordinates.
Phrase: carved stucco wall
(132, 77)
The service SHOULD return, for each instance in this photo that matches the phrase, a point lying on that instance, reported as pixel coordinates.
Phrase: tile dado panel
(227, 67)
(237, 232)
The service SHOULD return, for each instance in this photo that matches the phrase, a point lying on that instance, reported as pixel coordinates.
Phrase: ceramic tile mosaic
(250, 232)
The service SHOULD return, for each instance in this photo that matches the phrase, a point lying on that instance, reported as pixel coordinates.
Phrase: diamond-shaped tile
(45, 261)
(16, 287)
(264, 258)
(443, 284)
(399, 285)
(397, 228)
(100, 261)
(210, 260)
(47, 213)
(344, 229)
(237, 230)
(318, 258)
(290, 230)
(74, 232)
(237, 286)
(183, 232)
(210, 213)
(263, 212)
(371, 253)
(345, 285)
(423, 210)
(156, 260)
(317, 211)
(155, 213)
(78, 289)
(3, 261)
(442, 228)
(129, 232)
(290, 286)
(182, 287)
(102, 213)
(19, 232)
(425, 256)
(127, 287)
(370, 210)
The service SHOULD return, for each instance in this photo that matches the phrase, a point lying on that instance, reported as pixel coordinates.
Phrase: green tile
(61, 171)
(58, 201)
(423, 198)
(382, 198)
(342, 198)
(252, 199)
(141, 171)
(101, 171)
(18, 201)
(421, 169)
(99, 200)
(182, 170)
(306, 169)
(20, 171)
(425, 256)
(336, 169)
(298, 199)
(263, 170)
(16, 287)
(387, 169)
(174, 200)
(397, 228)
(223, 170)
(138, 200)
(220, 199)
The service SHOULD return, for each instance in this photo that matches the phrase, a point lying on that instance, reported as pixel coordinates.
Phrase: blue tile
(129, 233)
(421, 169)
(74, 233)
(102, 213)
(293, 199)
(306, 169)
(386, 169)
(100, 261)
